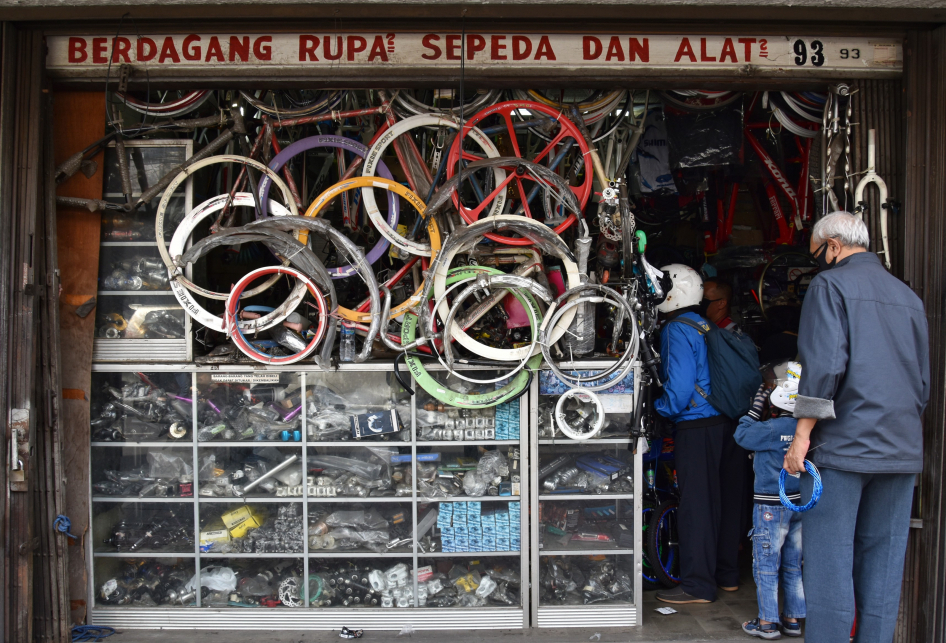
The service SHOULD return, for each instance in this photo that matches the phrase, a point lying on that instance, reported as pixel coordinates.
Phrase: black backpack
(734, 369)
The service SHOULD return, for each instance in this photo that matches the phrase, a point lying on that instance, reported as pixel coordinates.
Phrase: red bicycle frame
(799, 199)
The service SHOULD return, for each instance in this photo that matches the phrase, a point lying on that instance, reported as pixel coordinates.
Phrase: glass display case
(137, 317)
(247, 487)
(585, 499)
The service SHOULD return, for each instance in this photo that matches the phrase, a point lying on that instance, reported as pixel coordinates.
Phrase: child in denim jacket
(776, 531)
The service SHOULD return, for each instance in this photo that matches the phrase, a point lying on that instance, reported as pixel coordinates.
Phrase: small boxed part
(374, 424)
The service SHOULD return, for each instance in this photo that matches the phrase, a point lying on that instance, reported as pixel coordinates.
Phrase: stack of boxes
(507, 421)
(466, 527)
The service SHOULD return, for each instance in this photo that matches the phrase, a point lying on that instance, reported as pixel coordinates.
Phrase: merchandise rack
(196, 617)
(136, 350)
(615, 614)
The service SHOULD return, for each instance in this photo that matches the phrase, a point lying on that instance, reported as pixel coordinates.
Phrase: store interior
(219, 483)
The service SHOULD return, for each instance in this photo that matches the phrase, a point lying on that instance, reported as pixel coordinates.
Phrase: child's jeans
(776, 546)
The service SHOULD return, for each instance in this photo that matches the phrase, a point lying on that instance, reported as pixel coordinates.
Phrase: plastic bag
(328, 424)
(430, 418)
(361, 519)
(208, 468)
(165, 465)
(339, 465)
(217, 579)
(493, 465)
(474, 484)
(700, 139)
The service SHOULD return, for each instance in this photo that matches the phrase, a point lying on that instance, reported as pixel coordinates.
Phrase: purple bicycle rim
(354, 147)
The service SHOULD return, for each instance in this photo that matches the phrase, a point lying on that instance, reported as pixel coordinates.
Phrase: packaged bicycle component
(241, 519)
(373, 424)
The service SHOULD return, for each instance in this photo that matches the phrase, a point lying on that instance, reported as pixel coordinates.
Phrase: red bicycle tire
(569, 129)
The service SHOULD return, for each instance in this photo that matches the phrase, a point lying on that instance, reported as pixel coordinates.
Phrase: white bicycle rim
(184, 296)
(583, 395)
(374, 155)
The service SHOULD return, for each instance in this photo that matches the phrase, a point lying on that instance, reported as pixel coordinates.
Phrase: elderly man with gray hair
(864, 349)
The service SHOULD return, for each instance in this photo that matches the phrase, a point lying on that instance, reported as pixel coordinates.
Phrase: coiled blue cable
(815, 492)
(82, 633)
(63, 524)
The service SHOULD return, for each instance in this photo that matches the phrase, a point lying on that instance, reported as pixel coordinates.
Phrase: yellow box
(211, 536)
(242, 519)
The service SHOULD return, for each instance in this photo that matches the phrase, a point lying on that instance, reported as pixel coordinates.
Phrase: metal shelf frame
(318, 618)
(133, 350)
(601, 614)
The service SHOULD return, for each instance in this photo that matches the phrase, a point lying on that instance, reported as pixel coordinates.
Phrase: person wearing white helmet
(710, 465)
(768, 430)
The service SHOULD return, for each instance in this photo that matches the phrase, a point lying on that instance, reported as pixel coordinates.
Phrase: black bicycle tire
(653, 544)
(647, 584)
(680, 103)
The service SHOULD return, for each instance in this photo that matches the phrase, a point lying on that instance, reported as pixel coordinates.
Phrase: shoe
(755, 628)
(789, 629)
(678, 597)
(734, 588)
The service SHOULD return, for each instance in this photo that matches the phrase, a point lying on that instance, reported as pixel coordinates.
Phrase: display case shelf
(248, 500)
(230, 456)
(585, 549)
(146, 444)
(569, 441)
(125, 293)
(471, 499)
(599, 463)
(552, 497)
(137, 499)
(281, 555)
(475, 554)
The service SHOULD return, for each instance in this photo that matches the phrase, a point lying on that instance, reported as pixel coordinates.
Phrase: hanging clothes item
(653, 158)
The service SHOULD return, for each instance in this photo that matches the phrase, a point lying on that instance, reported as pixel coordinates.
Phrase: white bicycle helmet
(783, 396)
(687, 289)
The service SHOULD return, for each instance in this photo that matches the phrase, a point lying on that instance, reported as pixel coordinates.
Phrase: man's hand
(794, 461)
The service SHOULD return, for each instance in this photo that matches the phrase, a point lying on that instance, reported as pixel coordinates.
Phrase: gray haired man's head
(848, 230)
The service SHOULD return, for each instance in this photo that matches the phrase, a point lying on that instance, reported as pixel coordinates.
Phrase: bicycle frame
(799, 198)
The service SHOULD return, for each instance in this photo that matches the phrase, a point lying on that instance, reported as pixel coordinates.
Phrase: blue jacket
(684, 363)
(864, 350)
(770, 440)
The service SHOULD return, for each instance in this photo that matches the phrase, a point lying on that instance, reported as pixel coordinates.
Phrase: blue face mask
(819, 256)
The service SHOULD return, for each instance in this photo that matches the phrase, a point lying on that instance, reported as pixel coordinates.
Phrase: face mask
(819, 256)
(704, 305)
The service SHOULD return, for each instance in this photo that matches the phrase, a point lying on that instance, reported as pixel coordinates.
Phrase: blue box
(476, 531)
(445, 515)
(461, 531)
(447, 532)
(489, 544)
(502, 544)
(459, 509)
(462, 544)
(474, 508)
(476, 544)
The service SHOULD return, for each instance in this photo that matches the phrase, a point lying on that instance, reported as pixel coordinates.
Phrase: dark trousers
(712, 479)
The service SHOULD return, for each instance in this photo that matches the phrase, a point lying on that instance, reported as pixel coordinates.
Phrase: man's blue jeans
(776, 547)
(854, 544)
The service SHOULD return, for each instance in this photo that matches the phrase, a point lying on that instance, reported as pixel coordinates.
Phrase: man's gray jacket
(864, 349)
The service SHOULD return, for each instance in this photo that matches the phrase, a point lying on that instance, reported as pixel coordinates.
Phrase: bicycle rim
(663, 544)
